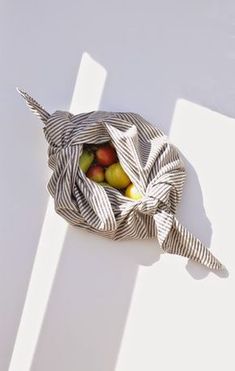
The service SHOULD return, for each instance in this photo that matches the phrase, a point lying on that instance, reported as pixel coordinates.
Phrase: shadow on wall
(154, 53)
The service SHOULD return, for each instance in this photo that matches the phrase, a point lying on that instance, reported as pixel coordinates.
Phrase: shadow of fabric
(192, 214)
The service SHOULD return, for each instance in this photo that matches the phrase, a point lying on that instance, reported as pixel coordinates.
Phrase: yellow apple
(116, 176)
(132, 192)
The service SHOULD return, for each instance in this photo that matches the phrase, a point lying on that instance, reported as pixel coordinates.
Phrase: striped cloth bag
(151, 162)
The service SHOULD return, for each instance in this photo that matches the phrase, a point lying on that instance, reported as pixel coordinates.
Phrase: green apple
(86, 160)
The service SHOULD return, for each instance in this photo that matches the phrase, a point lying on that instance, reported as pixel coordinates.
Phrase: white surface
(121, 306)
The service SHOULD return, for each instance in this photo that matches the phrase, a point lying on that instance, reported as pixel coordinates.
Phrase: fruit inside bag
(100, 163)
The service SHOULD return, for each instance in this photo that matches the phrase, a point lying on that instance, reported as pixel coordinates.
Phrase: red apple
(96, 173)
(106, 155)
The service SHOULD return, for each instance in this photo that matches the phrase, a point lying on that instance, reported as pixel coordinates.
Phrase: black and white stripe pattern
(152, 163)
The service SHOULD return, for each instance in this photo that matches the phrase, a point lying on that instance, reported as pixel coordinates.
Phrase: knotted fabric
(151, 162)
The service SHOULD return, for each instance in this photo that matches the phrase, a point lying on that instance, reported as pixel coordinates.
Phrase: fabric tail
(35, 106)
(181, 242)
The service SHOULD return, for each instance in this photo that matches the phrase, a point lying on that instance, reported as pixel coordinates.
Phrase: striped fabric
(152, 163)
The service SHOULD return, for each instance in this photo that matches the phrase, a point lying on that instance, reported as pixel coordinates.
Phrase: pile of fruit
(100, 163)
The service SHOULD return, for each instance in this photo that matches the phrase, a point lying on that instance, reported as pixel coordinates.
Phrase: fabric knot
(148, 205)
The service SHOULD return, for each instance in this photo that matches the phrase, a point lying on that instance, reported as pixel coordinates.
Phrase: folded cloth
(151, 162)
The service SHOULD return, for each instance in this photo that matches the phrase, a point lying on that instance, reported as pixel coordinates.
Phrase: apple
(86, 160)
(132, 192)
(106, 155)
(116, 176)
(96, 173)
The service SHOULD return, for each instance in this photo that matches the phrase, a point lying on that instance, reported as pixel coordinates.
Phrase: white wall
(118, 306)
